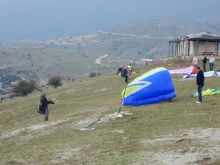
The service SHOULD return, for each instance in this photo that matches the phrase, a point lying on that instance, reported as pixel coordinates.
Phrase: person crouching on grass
(120, 68)
(200, 83)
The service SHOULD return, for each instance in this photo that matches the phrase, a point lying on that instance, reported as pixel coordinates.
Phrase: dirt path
(195, 146)
(31, 128)
(133, 35)
(98, 60)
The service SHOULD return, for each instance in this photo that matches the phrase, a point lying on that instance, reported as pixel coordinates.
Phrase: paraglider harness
(124, 72)
(42, 105)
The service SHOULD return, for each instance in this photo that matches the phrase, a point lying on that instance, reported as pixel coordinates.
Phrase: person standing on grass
(124, 74)
(44, 106)
(130, 68)
(211, 63)
(204, 60)
(195, 61)
(200, 83)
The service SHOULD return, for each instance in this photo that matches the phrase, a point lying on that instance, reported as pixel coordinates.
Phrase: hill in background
(74, 56)
(19, 20)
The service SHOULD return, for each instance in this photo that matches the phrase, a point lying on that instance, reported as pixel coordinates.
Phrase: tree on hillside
(94, 74)
(24, 88)
(55, 81)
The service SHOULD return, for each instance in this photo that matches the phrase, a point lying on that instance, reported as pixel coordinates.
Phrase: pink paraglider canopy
(186, 70)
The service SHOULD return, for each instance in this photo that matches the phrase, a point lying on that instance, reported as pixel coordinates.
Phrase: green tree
(92, 74)
(55, 81)
(24, 88)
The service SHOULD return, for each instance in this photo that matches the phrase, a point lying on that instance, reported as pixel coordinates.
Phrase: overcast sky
(49, 19)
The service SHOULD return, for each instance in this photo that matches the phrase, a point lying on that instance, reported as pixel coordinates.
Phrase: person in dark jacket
(119, 70)
(124, 73)
(200, 83)
(43, 107)
(204, 60)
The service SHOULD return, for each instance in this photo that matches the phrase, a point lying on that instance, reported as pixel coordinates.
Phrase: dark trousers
(204, 67)
(126, 78)
(211, 66)
(200, 92)
(46, 114)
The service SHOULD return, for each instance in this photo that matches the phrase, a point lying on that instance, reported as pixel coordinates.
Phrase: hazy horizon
(43, 20)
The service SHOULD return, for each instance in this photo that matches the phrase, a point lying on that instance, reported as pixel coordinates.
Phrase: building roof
(203, 35)
(199, 36)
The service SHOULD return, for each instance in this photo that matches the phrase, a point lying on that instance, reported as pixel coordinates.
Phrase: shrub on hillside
(55, 81)
(92, 74)
(23, 88)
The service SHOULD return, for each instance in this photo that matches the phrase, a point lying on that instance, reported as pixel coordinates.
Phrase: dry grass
(174, 132)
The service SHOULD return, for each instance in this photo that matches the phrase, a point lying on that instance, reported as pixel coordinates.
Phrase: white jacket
(212, 60)
(195, 61)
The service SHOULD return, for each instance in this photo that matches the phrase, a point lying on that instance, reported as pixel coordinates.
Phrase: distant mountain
(213, 22)
(44, 20)
(147, 39)
(167, 28)
(74, 56)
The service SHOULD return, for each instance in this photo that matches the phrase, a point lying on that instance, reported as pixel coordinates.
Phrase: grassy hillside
(178, 131)
(44, 62)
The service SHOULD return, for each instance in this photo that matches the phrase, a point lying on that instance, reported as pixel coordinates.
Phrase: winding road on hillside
(98, 60)
(134, 35)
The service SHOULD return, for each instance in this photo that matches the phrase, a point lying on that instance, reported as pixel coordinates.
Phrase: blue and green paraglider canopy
(152, 87)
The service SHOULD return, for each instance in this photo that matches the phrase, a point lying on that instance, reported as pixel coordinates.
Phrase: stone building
(194, 44)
